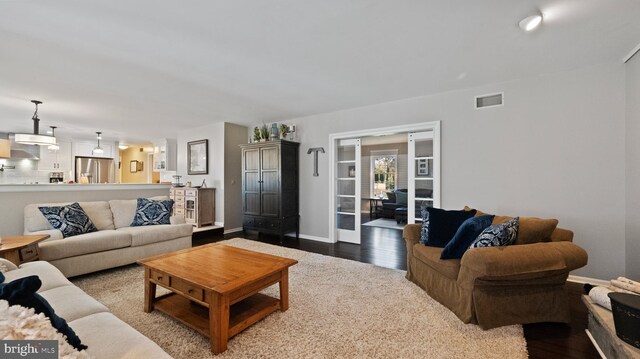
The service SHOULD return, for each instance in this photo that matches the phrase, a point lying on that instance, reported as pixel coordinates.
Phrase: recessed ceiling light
(123, 147)
(530, 22)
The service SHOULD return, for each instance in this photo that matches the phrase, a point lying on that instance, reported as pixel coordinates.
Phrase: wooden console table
(603, 331)
(21, 249)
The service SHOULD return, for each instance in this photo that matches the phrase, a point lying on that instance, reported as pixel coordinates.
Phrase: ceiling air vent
(491, 100)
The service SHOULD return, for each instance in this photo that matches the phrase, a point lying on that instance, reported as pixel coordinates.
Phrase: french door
(347, 190)
(423, 181)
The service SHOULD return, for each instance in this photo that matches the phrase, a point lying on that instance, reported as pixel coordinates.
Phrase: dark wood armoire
(270, 188)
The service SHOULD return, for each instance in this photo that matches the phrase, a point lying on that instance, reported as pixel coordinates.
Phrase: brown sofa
(498, 286)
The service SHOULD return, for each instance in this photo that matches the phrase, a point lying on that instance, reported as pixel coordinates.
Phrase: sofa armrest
(53, 233)
(177, 220)
(411, 234)
(520, 262)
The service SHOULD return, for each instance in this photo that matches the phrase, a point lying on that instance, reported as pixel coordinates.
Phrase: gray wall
(556, 149)
(12, 203)
(233, 136)
(633, 168)
(224, 167)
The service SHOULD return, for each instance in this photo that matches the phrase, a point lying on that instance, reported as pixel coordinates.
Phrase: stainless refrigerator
(95, 170)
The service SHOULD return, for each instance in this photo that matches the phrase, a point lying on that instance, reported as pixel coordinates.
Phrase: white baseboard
(314, 238)
(583, 280)
(232, 230)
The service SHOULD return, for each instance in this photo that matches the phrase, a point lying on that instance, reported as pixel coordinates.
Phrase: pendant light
(53, 147)
(36, 138)
(98, 150)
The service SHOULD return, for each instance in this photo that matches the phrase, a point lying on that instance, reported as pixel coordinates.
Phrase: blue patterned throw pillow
(150, 212)
(424, 232)
(502, 234)
(71, 219)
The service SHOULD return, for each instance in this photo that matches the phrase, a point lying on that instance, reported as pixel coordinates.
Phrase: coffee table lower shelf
(241, 314)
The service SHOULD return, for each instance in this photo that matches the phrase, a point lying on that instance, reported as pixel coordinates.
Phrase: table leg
(149, 291)
(218, 322)
(284, 290)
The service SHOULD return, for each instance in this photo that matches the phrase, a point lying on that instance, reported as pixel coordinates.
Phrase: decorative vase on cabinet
(270, 188)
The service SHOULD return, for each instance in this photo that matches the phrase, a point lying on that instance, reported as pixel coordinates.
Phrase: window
(384, 169)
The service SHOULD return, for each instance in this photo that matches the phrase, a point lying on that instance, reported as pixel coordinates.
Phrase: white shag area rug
(337, 309)
(385, 223)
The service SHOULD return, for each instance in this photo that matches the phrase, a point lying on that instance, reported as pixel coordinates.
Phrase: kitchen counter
(63, 187)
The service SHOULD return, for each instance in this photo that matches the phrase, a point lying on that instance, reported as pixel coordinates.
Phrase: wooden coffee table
(215, 288)
(21, 249)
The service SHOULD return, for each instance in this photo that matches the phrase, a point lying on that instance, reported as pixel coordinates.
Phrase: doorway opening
(380, 178)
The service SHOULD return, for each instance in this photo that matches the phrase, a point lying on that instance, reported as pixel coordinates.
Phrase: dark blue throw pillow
(443, 225)
(502, 234)
(150, 212)
(22, 292)
(466, 234)
(71, 219)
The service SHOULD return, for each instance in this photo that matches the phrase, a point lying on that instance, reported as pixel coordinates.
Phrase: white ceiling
(142, 69)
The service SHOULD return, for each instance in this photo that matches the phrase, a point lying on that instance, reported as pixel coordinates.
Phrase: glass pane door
(423, 175)
(348, 189)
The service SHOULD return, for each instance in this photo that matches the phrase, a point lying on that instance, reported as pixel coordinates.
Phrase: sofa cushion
(466, 234)
(71, 303)
(50, 276)
(85, 243)
(109, 337)
(6, 265)
(125, 209)
(71, 219)
(141, 236)
(22, 292)
(152, 213)
(496, 235)
(99, 212)
(443, 225)
(431, 257)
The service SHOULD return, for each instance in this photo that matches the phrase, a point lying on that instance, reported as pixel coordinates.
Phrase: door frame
(333, 142)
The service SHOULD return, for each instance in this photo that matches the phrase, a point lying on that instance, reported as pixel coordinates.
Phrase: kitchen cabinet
(164, 155)
(58, 161)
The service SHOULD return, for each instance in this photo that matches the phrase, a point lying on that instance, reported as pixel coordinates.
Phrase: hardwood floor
(386, 248)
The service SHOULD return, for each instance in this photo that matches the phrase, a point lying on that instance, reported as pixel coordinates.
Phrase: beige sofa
(114, 244)
(105, 335)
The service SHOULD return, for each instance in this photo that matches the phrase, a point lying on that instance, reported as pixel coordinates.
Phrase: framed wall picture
(352, 171)
(423, 167)
(135, 166)
(198, 157)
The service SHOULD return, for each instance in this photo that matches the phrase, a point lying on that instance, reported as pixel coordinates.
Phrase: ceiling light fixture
(530, 22)
(123, 147)
(36, 138)
(98, 150)
(55, 146)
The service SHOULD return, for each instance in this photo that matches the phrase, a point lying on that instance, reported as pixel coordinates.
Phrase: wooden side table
(21, 249)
